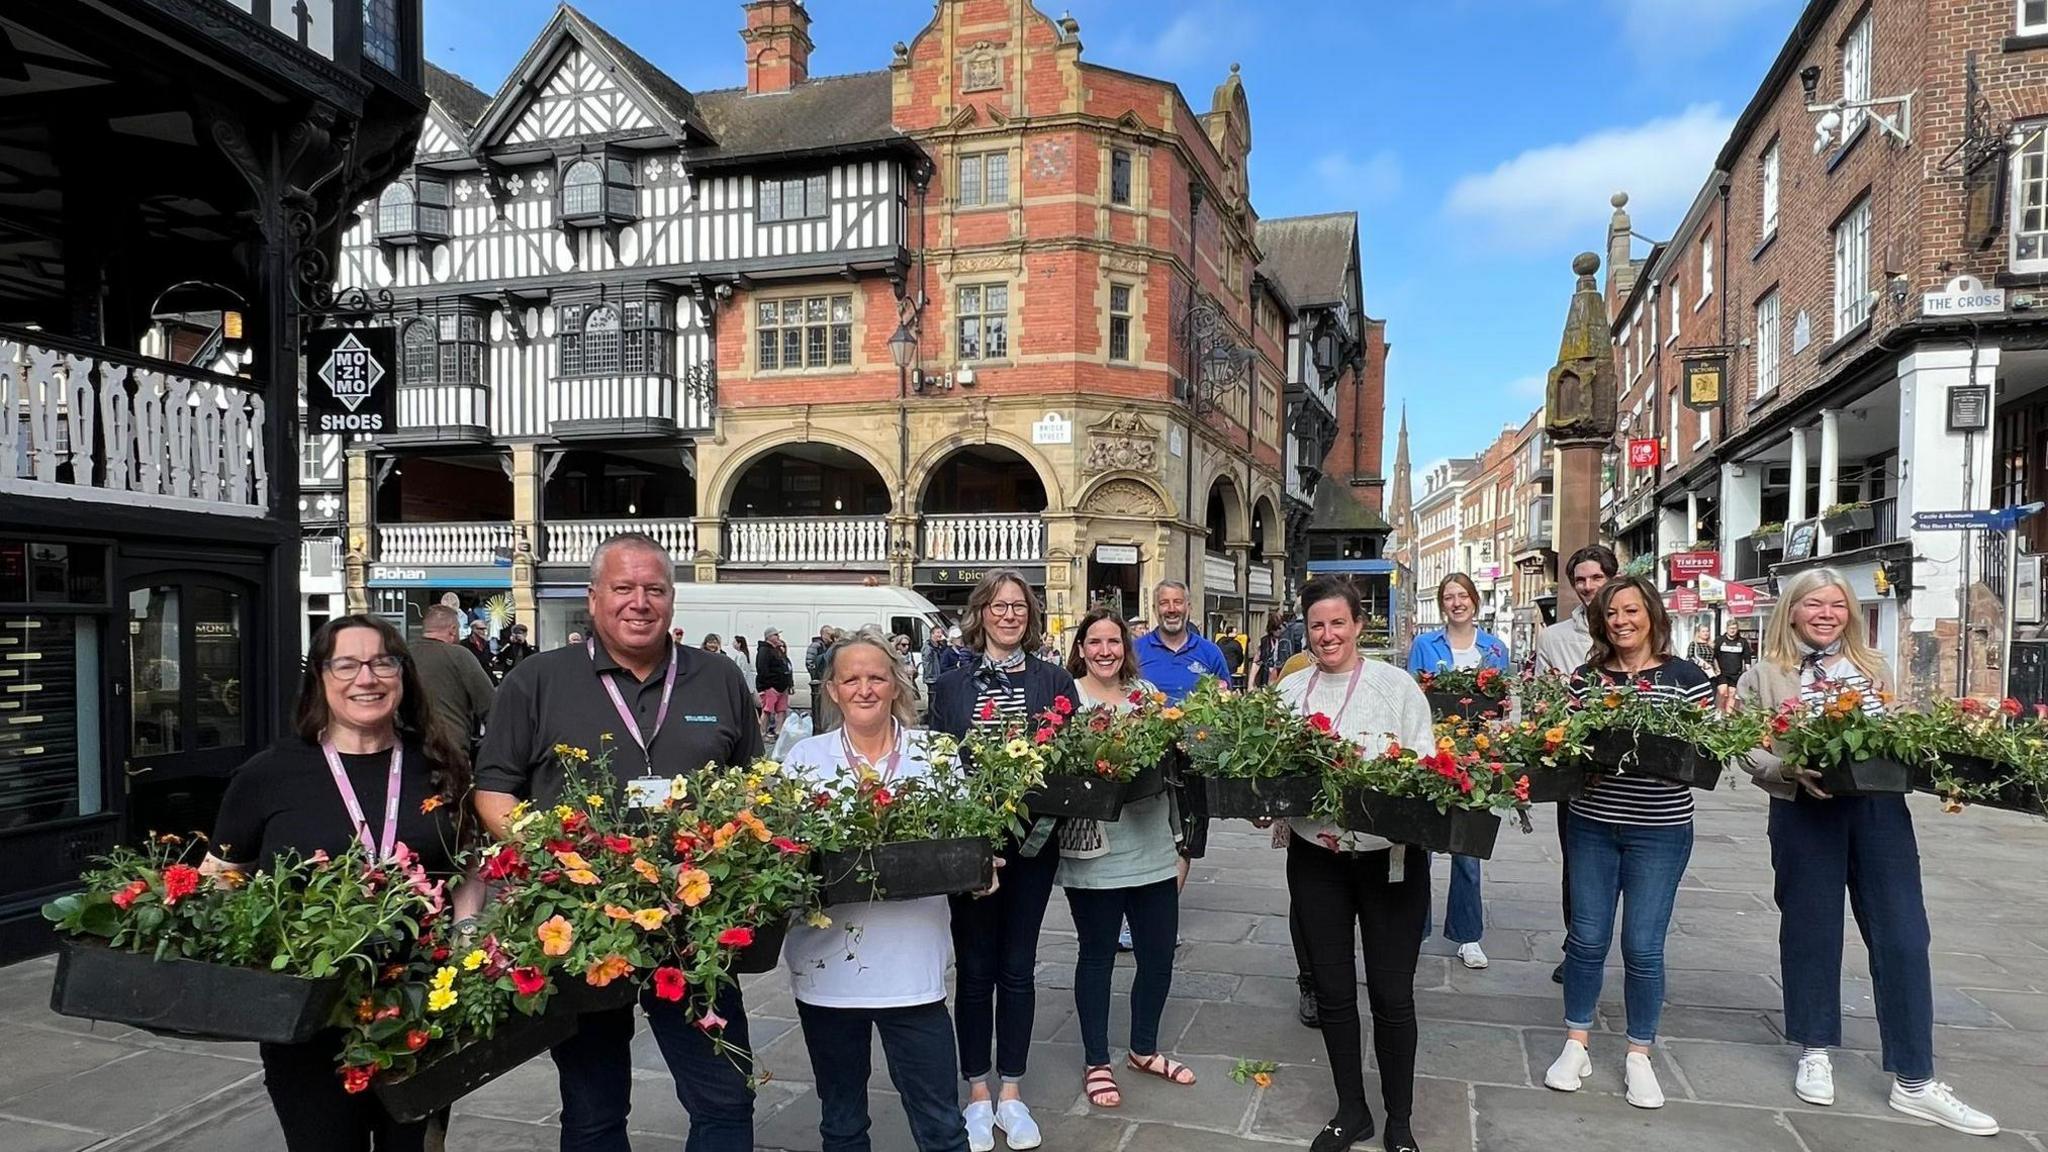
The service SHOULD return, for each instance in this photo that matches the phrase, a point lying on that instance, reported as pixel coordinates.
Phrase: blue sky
(1478, 140)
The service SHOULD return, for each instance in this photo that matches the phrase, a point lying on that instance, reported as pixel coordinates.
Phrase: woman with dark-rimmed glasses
(995, 939)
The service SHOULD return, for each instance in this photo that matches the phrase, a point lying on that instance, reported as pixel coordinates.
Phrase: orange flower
(607, 970)
(1554, 736)
(581, 876)
(1263, 1079)
(724, 835)
(693, 887)
(1849, 700)
(649, 918)
(1481, 742)
(572, 860)
(431, 803)
(1445, 744)
(1612, 700)
(366, 1010)
(752, 823)
(646, 871)
(556, 934)
(617, 913)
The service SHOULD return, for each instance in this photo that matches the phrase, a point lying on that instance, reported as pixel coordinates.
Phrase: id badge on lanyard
(648, 791)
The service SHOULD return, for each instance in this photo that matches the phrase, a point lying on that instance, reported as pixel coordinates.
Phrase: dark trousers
(1153, 911)
(1862, 845)
(995, 957)
(317, 1115)
(918, 1044)
(1564, 858)
(595, 1068)
(1340, 898)
(1305, 971)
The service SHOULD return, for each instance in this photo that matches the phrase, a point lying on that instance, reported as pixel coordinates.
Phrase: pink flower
(1043, 736)
(711, 1021)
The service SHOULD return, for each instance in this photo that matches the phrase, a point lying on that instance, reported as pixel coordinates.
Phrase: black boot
(1310, 1018)
(1351, 1125)
(1399, 1137)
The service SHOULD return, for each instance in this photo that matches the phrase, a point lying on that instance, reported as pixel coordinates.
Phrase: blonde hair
(1781, 640)
(904, 708)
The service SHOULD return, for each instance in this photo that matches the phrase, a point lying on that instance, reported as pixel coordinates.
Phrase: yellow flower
(594, 801)
(521, 808)
(563, 811)
(648, 919)
(440, 1000)
(1171, 714)
(764, 800)
(581, 876)
(817, 919)
(1017, 748)
(571, 860)
(678, 788)
(444, 979)
(693, 887)
(474, 960)
(1481, 742)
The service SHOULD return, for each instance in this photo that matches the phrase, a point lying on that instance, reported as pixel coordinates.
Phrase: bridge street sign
(1974, 519)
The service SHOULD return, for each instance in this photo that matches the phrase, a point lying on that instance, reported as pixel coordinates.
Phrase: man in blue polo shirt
(1172, 656)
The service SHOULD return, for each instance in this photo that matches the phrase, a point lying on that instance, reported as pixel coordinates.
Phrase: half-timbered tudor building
(173, 176)
(627, 304)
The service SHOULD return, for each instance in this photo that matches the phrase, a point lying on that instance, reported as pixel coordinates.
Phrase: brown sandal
(1165, 1069)
(1101, 1087)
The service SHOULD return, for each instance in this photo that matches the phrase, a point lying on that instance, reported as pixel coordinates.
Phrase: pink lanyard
(355, 806)
(611, 687)
(888, 768)
(1352, 687)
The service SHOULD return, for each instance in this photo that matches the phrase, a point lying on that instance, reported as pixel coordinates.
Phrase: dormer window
(598, 190)
(413, 211)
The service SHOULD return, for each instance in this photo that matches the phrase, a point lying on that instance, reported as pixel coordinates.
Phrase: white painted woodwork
(573, 541)
(1219, 574)
(320, 558)
(1261, 581)
(988, 538)
(447, 543)
(126, 433)
(579, 98)
(428, 406)
(826, 540)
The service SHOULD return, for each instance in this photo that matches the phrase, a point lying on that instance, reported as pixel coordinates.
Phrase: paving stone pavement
(1486, 1035)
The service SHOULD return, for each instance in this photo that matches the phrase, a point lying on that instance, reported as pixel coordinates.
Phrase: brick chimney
(778, 38)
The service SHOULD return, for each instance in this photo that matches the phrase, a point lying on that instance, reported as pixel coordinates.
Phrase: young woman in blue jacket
(1460, 645)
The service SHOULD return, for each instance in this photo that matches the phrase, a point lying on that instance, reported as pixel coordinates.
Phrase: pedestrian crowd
(381, 720)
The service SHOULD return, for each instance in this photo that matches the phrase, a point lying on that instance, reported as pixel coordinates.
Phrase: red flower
(1321, 723)
(669, 984)
(356, 1078)
(988, 710)
(528, 980)
(1099, 722)
(1043, 736)
(440, 954)
(575, 823)
(557, 844)
(551, 876)
(2009, 706)
(1105, 768)
(1522, 789)
(2041, 711)
(388, 1012)
(822, 800)
(1329, 840)
(1971, 706)
(736, 937)
(416, 1039)
(788, 847)
(1136, 696)
(1427, 678)
(129, 894)
(884, 798)
(180, 881)
(623, 845)
(1781, 723)
(1062, 705)
(506, 865)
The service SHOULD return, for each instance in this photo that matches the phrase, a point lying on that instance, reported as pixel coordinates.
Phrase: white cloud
(1652, 28)
(1529, 387)
(1370, 180)
(1194, 39)
(1558, 193)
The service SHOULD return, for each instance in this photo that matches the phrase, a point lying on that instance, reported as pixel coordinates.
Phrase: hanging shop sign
(1642, 453)
(1741, 600)
(1689, 565)
(1703, 377)
(352, 379)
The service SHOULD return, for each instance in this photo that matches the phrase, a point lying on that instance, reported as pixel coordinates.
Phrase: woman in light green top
(1130, 869)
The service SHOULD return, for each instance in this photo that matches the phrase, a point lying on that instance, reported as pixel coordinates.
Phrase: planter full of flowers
(928, 835)
(1630, 730)
(1974, 752)
(1449, 798)
(1256, 758)
(1856, 752)
(1468, 694)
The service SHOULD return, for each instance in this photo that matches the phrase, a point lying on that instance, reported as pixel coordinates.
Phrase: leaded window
(649, 337)
(462, 348)
(601, 341)
(419, 358)
(983, 321)
(796, 198)
(1119, 176)
(2030, 199)
(1119, 321)
(395, 209)
(804, 332)
(582, 189)
(984, 180)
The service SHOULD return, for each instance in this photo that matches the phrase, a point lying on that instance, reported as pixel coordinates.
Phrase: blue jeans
(917, 1042)
(1464, 912)
(595, 1069)
(995, 962)
(1862, 845)
(1639, 867)
(1154, 914)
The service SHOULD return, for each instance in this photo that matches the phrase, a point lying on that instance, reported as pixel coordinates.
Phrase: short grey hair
(635, 540)
(1163, 585)
(440, 618)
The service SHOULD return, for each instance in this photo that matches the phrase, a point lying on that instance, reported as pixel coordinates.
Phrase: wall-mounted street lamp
(1832, 118)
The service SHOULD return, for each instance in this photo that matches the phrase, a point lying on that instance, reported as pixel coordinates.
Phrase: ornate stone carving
(1120, 262)
(998, 262)
(1122, 442)
(1127, 498)
(982, 69)
(1580, 400)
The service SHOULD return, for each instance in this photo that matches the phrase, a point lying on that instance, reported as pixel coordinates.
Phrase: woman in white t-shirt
(1347, 885)
(881, 965)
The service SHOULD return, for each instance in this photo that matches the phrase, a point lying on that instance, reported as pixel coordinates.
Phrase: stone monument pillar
(1578, 416)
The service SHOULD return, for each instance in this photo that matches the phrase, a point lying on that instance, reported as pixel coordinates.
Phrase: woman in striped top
(995, 939)
(1823, 846)
(1629, 838)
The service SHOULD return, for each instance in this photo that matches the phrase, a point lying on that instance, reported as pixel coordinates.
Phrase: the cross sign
(351, 372)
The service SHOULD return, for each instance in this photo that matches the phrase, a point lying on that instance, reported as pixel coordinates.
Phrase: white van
(800, 610)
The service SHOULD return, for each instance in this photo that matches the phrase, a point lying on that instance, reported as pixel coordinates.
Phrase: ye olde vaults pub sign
(352, 379)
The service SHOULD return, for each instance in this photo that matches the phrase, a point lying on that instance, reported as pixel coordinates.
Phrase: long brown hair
(1462, 581)
(1077, 661)
(447, 759)
(1603, 651)
(974, 635)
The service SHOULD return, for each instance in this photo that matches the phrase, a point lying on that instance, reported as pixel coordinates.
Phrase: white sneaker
(1020, 1131)
(1815, 1081)
(981, 1126)
(1472, 955)
(1937, 1103)
(1643, 1089)
(1571, 1068)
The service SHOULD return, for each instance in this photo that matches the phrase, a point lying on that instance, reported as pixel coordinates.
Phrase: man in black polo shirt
(674, 710)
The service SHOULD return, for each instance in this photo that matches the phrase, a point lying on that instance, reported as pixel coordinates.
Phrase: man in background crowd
(514, 649)
(1732, 654)
(1173, 656)
(455, 682)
